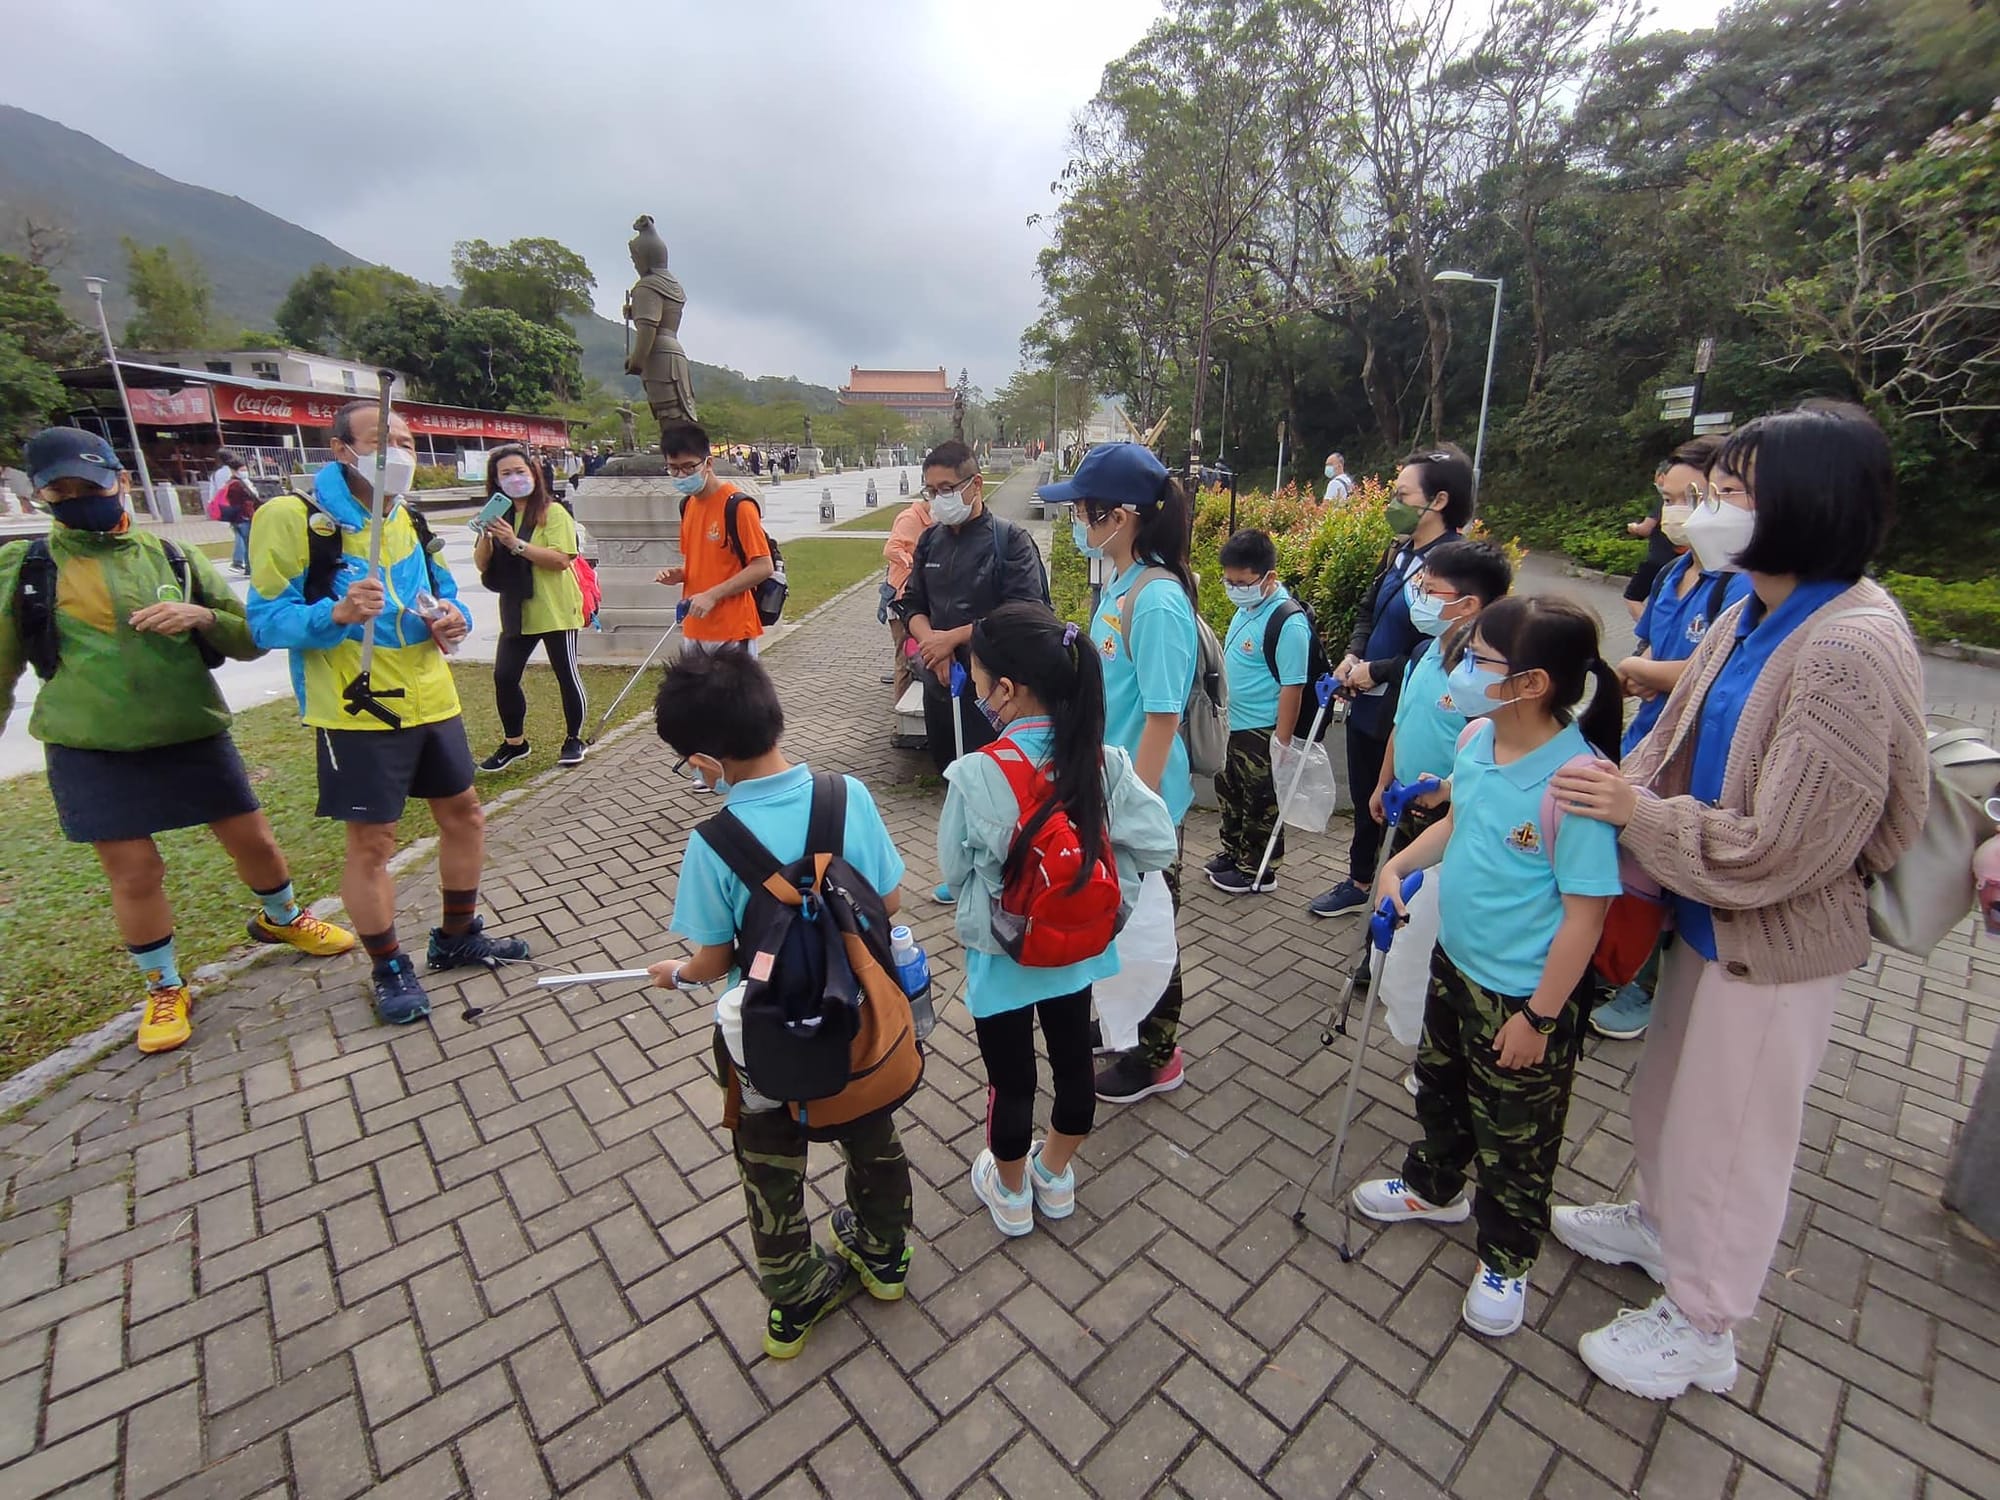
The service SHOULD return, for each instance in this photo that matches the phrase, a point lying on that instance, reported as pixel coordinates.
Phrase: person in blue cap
(124, 630)
(1130, 511)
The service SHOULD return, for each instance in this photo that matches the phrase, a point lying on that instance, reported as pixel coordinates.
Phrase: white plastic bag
(1406, 968)
(1312, 804)
(1147, 951)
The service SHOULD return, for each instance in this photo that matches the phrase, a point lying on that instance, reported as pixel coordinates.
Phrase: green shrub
(1594, 548)
(437, 477)
(1069, 578)
(1967, 612)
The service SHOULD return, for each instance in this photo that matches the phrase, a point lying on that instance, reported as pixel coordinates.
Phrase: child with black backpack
(1044, 836)
(789, 890)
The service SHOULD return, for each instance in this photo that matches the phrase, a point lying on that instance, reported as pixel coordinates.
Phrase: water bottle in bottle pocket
(913, 973)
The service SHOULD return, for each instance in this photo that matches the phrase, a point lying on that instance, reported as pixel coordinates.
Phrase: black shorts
(366, 775)
(104, 796)
(1641, 585)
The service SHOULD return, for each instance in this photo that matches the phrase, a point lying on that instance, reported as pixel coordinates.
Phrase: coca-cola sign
(239, 404)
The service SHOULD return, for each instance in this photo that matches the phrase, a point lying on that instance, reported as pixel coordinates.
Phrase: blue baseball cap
(70, 453)
(1112, 474)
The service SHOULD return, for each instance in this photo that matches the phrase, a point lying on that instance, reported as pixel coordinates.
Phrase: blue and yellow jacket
(326, 655)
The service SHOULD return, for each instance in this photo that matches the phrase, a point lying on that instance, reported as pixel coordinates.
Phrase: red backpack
(1052, 911)
(586, 580)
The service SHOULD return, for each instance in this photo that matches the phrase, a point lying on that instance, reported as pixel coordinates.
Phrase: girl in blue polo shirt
(1519, 920)
(1041, 689)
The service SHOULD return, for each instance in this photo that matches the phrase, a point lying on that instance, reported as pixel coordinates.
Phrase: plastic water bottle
(913, 973)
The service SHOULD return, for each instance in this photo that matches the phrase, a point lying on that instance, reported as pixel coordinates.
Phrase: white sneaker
(1657, 1353)
(1013, 1213)
(1055, 1197)
(1391, 1201)
(1410, 1082)
(1495, 1304)
(1615, 1233)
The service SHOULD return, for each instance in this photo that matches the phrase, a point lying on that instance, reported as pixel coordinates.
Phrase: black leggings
(511, 658)
(1007, 1046)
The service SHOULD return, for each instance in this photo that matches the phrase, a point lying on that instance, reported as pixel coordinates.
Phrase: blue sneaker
(399, 997)
(1625, 1016)
(1344, 900)
(943, 896)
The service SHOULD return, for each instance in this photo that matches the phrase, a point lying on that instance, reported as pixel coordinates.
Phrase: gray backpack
(1205, 716)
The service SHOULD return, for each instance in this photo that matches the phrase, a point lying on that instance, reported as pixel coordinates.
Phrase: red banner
(292, 408)
(187, 407)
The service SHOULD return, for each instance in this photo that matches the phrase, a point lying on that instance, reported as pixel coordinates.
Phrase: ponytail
(1603, 723)
(1025, 642)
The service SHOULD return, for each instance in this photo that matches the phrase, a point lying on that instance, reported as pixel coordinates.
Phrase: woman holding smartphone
(526, 557)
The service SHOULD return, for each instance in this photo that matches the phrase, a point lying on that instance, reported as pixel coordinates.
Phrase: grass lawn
(63, 970)
(817, 568)
(873, 520)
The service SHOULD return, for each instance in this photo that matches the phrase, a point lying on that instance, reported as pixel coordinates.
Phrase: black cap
(70, 453)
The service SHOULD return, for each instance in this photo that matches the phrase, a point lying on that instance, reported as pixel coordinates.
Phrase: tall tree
(37, 338)
(172, 294)
(325, 307)
(485, 356)
(537, 279)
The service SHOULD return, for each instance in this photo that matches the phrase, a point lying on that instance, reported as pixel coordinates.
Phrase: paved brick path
(307, 1255)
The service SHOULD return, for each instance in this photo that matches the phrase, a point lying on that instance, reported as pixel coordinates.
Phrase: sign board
(1678, 411)
(1677, 393)
(187, 407)
(1714, 421)
(287, 408)
(1704, 355)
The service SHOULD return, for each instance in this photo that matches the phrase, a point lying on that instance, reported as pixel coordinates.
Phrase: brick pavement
(310, 1256)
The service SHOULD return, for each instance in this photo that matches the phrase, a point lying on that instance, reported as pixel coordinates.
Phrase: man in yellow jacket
(311, 593)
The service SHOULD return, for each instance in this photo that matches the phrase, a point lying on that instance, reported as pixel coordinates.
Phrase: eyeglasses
(1734, 494)
(938, 492)
(1486, 661)
(1448, 595)
(686, 468)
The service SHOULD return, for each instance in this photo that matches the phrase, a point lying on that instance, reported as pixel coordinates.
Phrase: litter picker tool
(1396, 800)
(959, 677)
(609, 976)
(680, 614)
(361, 695)
(1323, 689)
(1381, 931)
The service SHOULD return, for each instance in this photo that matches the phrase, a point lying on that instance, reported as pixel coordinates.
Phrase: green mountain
(63, 180)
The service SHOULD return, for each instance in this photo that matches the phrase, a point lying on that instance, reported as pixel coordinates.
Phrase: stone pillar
(633, 516)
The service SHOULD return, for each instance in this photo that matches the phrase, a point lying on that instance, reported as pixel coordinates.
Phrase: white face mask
(954, 509)
(1674, 523)
(401, 472)
(1244, 595)
(1718, 534)
(517, 486)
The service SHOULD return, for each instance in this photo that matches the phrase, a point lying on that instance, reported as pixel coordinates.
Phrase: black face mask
(90, 512)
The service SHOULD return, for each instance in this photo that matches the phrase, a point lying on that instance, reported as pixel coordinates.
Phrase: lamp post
(1492, 343)
(1222, 434)
(95, 286)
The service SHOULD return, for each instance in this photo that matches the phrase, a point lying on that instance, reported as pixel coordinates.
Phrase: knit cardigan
(1827, 780)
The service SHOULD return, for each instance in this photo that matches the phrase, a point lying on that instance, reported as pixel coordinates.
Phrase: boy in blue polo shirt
(721, 714)
(1266, 657)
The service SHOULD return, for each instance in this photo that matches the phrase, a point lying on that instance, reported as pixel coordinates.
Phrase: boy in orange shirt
(724, 550)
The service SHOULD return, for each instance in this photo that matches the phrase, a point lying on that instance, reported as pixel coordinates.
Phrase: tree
(172, 294)
(325, 307)
(30, 394)
(485, 357)
(537, 279)
(31, 311)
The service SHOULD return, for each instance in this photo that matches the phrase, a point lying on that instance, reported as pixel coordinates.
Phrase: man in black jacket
(967, 564)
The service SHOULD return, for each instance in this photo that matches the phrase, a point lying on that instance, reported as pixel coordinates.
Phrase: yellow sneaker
(165, 1025)
(309, 934)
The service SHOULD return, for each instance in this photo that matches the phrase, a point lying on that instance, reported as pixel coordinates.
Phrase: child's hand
(1375, 808)
(1389, 887)
(666, 973)
(1519, 1044)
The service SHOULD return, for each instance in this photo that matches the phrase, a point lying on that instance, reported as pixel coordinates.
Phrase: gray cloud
(839, 185)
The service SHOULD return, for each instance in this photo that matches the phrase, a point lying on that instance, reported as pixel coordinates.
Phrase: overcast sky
(839, 184)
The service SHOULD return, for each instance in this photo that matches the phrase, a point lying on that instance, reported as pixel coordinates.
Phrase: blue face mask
(90, 512)
(1472, 688)
(1427, 613)
(689, 484)
(992, 715)
(1081, 534)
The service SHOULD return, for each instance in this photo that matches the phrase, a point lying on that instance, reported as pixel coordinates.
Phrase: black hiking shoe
(884, 1276)
(473, 946)
(572, 752)
(785, 1331)
(399, 997)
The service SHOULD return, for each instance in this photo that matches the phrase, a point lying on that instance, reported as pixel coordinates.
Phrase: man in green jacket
(123, 630)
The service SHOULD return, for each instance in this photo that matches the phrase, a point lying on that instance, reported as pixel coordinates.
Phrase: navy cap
(1112, 474)
(70, 453)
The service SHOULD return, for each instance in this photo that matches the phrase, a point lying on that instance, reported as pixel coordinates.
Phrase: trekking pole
(1323, 689)
(680, 614)
(1396, 800)
(362, 696)
(958, 680)
(1381, 931)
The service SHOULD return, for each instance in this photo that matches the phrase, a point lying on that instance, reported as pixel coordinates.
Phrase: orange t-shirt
(710, 560)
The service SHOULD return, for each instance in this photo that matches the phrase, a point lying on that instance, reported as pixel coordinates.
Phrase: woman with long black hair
(1040, 687)
(527, 557)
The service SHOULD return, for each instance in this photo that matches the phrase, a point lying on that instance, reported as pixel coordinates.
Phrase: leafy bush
(1069, 578)
(1603, 550)
(437, 477)
(1967, 612)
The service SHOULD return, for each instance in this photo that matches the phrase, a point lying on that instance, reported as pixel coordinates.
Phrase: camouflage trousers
(771, 1160)
(1248, 800)
(1508, 1126)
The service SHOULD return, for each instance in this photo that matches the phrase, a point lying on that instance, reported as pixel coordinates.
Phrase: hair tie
(1069, 634)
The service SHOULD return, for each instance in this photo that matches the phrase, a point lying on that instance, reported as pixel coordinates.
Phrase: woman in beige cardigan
(1789, 765)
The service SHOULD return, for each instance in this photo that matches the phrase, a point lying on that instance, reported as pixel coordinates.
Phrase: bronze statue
(627, 428)
(653, 307)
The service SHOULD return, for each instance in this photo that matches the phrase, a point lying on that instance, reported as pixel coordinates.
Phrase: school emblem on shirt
(1527, 838)
(1696, 629)
(1110, 648)
(1249, 646)
(1444, 703)
(715, 532)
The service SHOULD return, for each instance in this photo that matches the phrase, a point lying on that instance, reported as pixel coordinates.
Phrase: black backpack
(325, 551)
(826, 1027)
(35, 607)
(770, 594)
(1317, 665)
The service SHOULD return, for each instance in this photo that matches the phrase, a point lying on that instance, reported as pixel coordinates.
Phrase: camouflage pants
(771, 1160)
(1160, 1032)
(1248, 799)
(1510, 1124)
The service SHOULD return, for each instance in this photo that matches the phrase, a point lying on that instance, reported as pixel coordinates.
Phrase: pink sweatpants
(1717, 1107)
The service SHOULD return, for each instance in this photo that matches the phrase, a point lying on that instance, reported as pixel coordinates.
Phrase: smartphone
(496, 508)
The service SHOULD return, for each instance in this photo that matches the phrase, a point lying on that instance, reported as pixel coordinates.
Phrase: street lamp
(1492, 343)
(95, 286)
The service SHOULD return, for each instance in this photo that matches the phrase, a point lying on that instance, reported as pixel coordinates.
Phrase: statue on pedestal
(653, 307)
(628, 428)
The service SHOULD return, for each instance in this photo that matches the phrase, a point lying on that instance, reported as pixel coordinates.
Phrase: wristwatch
(1545, 1025)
